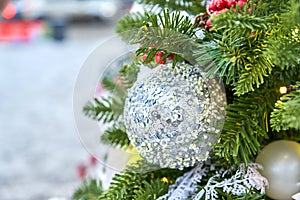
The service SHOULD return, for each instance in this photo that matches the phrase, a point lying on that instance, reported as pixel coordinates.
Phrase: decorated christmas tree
(210, 102)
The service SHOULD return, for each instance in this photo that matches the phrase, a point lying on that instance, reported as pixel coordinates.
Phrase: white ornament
(281, 166)
(173, 117)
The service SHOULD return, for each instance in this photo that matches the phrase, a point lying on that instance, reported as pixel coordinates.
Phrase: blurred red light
(9, 11)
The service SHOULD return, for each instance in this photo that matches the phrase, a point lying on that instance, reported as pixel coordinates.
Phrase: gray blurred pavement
(39, 147)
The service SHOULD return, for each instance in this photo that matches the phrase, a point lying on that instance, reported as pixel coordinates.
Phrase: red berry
(208, 24)
(211, 7)
(159, 59)
(93, 160)
(241, 3)
(100, 89)
(230, 3)
(221, 11)
(82, 171)
(144, 57)
(221, 4)
(171, 56)
(152, 46)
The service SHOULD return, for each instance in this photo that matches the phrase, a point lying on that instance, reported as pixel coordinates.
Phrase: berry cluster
(84, 170)
(218, 6)
(160, 57)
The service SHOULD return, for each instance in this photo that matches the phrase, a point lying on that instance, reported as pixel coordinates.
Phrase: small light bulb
(165, 180)
(288, 89)
(283, 90)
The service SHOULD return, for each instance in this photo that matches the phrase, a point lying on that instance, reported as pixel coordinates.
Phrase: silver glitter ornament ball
(174, 115)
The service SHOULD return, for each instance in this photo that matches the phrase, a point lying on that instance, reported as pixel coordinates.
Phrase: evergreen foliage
(190, 6)
(108, 110)
(89, 190)
(100, 110)
(254, 49)
(131, 23)
(286, 114)
(166, 31)
(109, 84)
(116, 136)
(151, 190)
(244, 126)
(128, 74)
(247, 126)
(134, 185)
(252, 43)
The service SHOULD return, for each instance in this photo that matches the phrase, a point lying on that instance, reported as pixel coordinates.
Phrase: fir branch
(116, 136)
(276, 6)
(250, 48)
(122, 186)
(167, 31)
(89, 190)
(252, 44)
(109, 84)
(290, 15)
(241, 21)
(105, 110)
(108, 109)
(283, 52)
(190, 6)
(239, 53)
(130, 23)
(255, 70)
(128, 74)
(175, 21)
(126, 185)
(283, 41)
(172, 21)
(118, 88)
(151, 190)
(240, 60)
(246, 125)
(286, 114)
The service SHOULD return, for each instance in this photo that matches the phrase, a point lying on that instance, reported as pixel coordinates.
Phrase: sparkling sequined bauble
(174, 115)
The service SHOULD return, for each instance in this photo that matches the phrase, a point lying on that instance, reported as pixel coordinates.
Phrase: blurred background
(43, 44)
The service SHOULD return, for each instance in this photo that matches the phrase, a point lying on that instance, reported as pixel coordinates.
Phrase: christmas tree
(211, 102)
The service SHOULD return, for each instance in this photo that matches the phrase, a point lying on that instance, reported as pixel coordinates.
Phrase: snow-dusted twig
(186, 185)
(243, 181)
(240, 183)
